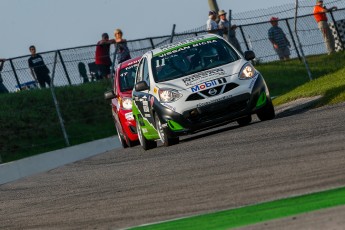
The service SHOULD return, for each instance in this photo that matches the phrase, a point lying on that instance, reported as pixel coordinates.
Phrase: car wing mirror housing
(249, 55)
(141, 86)
(109, 95)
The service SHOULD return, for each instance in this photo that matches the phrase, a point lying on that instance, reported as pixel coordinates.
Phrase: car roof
(129, 62)
(181, 43)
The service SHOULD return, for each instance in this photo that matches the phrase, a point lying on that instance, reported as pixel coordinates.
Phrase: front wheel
(243, 121)
(146, 144)
(266, 112)
(166, 140)
(122, 141)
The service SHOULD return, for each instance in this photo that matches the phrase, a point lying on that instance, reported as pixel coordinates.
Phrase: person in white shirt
(211, 24)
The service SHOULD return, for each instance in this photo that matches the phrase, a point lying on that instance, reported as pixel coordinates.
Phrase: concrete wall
(43, 162)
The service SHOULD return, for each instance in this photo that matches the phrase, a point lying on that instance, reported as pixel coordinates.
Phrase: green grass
(29, 122)
(256, 213)
(289, 80)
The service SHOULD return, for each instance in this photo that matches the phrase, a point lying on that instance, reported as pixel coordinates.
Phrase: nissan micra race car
(121, 102)
(193, 85)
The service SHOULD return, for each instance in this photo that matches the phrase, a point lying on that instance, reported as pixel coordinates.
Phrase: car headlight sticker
(247, 72)
(126, 103)
(169, 95)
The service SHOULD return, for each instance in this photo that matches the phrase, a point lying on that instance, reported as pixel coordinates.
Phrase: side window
(146, 76)
(139, 75)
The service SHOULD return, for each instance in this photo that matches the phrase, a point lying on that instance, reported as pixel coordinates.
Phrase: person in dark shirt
(279, 41)
(3, 89)
(39, 70)
(102, 56)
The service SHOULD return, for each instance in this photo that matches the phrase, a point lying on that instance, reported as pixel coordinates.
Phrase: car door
(142, 98)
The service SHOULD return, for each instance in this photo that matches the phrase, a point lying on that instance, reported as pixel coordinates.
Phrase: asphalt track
(299, 152)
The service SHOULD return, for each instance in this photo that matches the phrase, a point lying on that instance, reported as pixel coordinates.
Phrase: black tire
(164, 137)
(146, 144)
(266, 112)
(122, 140)
(132, 143)
(243, 121)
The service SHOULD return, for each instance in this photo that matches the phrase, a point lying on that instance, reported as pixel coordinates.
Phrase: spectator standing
(211, 24)
(229, 35)
(278, 39)
(102, 56)
(122, 53)
(3, 89)
(320, 16)
(39, 70)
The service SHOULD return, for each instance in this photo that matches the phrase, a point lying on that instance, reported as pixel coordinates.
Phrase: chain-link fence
(74, 62)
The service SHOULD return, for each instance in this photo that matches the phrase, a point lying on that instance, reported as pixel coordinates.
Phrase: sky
(58, 24)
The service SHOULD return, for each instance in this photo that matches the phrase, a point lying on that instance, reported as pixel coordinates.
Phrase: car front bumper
(213, 114)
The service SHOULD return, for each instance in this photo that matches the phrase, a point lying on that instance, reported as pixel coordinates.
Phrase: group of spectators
(102, 55)
(223, 28)
(40, 72)
(276, 35)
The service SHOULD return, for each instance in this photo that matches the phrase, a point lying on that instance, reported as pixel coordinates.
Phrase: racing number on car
(160, 62)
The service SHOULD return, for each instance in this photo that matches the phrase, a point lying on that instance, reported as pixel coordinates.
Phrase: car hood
(189, 81)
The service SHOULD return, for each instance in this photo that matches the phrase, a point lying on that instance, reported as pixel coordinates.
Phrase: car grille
(133, 129)
(218, 109)
(211, 92)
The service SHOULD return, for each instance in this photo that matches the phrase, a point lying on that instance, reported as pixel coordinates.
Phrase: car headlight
(168, 95)
(126, 103)
(247, 72)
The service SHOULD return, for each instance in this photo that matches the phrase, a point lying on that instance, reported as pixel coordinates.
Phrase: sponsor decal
(213, 101)
(155, 90)
(132, 64)
(152, 100)
(201, 77)
(147, 115)
(252, 82)
(174, 51)
(146, 109)
(208, 84)
(187, 42)
(145, 103)
(169, 106)
(144, 130)
(129, 116)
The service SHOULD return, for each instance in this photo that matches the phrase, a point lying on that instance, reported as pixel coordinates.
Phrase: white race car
(193, 85)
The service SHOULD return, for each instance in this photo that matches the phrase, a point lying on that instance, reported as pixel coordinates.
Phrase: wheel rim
(140, 137)
(118, 134)
(160, 130)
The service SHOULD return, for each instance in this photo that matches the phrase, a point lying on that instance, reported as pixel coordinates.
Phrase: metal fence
(16, 73)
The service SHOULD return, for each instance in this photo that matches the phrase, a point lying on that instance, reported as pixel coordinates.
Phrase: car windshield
(192, 58)
(127, 77)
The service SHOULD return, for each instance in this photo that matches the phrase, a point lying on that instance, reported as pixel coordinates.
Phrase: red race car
(121, 102)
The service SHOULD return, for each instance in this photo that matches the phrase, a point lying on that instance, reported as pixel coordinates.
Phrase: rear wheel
(146, 144)
(166, 140)
(266, 112)
(243, 121)
(122, 141)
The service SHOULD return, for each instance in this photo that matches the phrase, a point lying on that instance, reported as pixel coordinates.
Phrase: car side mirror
(249, 55)
(141, 86)
(109, 95)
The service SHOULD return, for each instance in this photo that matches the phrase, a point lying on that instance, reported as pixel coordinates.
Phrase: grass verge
(256, 213)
